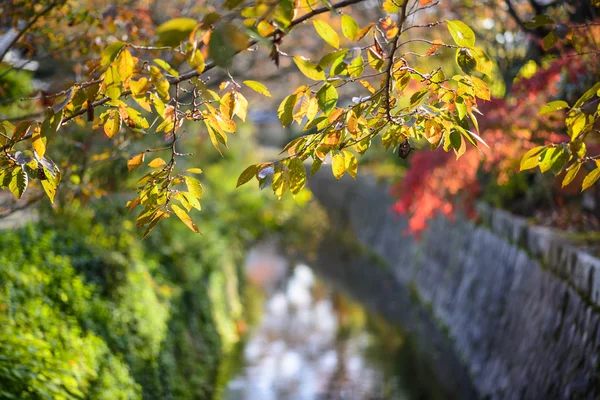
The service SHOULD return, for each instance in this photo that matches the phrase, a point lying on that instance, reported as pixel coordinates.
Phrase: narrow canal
(311, 339)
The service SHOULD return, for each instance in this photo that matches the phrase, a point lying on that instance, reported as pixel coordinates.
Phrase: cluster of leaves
(581, 118)
(435, 184)
(138, 88)
(438, 110)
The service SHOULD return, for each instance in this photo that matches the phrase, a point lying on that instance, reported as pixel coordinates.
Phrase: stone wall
(521, 306)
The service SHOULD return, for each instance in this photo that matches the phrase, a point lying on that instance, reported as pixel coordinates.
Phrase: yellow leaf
(338, 165)
(184, 217)
(309, 69)
(126, 64)
(349, 27)
(139, 87)
(258, 87)
(327, 33)
(591, 178)
(241, 106)
(351, 163)
(38, 141)
(157, 162)
(112, 82)
(112, 126)
(160, 82)
(196, 61)
(135, 161)
(227, 105)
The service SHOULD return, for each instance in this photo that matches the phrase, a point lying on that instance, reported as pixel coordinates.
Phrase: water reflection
(312, 342)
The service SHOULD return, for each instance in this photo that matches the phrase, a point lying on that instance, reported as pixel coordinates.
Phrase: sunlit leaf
(553, 106)
(349, 27)
(338, 165)
(18, 182)
(172, 32)
(247, 175)
(110, 53)
(297, 175)
(184, 217)
(463, 35)
(160, 83)
(328, 34)
(113, 83)
(112, 126)
(135, 161)
(351, 163)
(309, 69)
(196, 61)
(194, 186)
(327, 98)
(39, 140)
(258, 87)
(572, 172)
(157, 162)
(591, 178)
(285, 112)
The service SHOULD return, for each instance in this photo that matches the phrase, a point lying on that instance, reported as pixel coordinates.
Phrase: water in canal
(311, 341)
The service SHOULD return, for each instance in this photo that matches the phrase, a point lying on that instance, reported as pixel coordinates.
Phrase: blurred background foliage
(88, 310)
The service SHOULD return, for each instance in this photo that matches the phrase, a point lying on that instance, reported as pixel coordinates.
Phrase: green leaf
(327, 98)
(539, 20)
(194, 187)
(258, 87)
(587, 95)
(349, 27)
(316, 165)
(184, 217)
(548, 158)
(18, 182)
(338, 165)
(225, 42)
(247, 175)
(172, 32)
(591, 178)
(309, 69)
(466, 61)
(463, 35)
(285, 112)
(553, 106)
(356, 67)
(327, 33)
(549, 40)
(110, 53)
(331, 58)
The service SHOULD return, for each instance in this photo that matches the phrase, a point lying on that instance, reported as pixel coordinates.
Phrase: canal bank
(520, 305)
